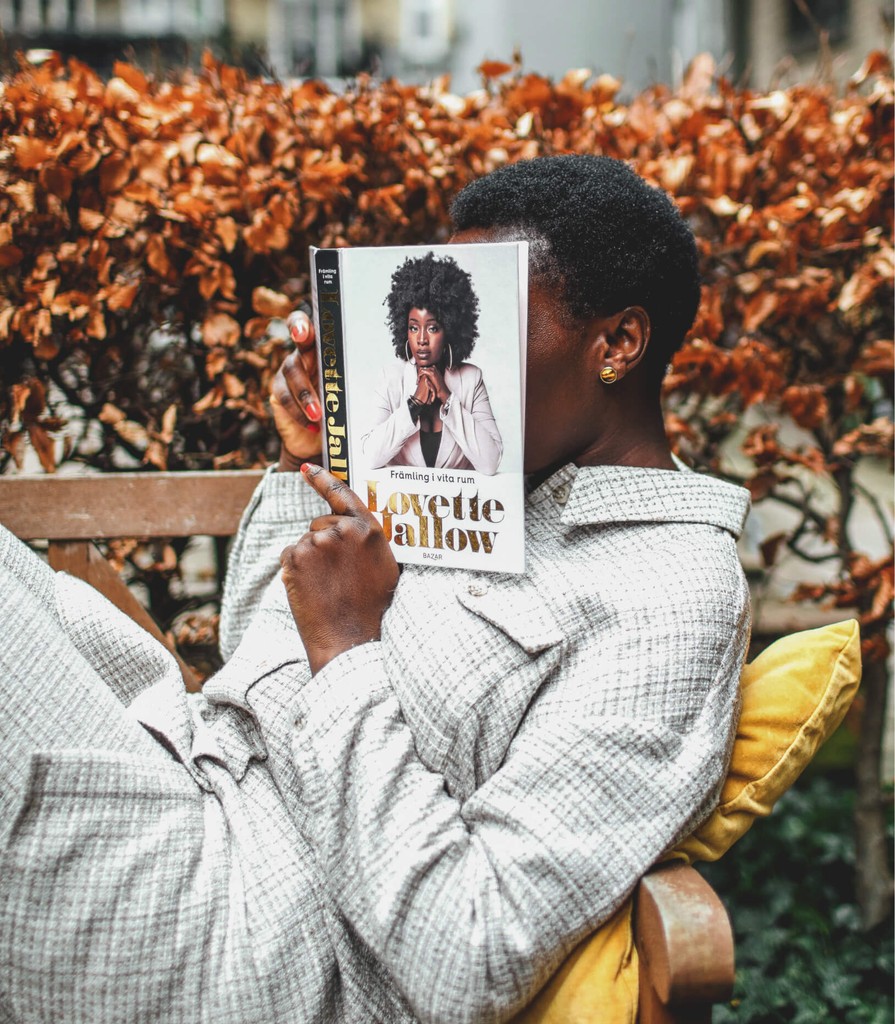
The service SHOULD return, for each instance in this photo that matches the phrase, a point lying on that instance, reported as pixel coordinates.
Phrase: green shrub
(802, 957)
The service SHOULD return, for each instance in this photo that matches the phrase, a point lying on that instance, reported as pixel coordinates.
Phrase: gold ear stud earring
(608, 375)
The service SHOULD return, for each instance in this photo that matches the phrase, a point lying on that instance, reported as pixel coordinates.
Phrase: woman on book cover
(432, 409)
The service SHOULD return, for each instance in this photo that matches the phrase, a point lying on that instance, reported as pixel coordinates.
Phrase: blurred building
(97, 17)
(647, 41)
(640, 41)
(102, 31)
(409, 38)
(773, 39)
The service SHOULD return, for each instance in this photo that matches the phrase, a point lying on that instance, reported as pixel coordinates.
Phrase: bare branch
(805, 556)
(877, 508)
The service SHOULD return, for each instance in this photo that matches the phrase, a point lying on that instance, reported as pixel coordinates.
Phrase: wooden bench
(681, 929)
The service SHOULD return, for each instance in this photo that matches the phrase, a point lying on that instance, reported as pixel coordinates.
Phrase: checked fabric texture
(422, 831)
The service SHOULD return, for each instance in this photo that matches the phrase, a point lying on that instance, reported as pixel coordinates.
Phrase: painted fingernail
(314, 411)
(305, 467)
(298, 327)
(314, 428)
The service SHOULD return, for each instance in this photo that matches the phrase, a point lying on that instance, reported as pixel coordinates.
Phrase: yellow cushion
(794, 695)
(597, 981)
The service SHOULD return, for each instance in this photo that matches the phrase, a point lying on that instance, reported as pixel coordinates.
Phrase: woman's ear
(621, 342)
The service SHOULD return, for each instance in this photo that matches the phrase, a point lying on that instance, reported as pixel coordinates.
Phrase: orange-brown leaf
(57, 180)
(210, 400)
(267, 302)
(875, 63)
(876, 359)
(111, 414)
(132, 75)
(807, 404)
(30, 152)
(121, 296)
(10, 255)
(220, 329)
(114, 172)
(226, 229)
(14, 443)
(43, 445)
(874, 438)
(493, 68)
(157, 255)
(132, 432)
(156, 454)
(770, 547)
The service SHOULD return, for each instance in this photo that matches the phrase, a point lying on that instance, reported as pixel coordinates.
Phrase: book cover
(422, 380)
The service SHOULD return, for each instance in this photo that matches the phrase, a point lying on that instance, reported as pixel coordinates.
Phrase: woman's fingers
(293, 397)
(425, 378)
(328, 522)
(301, 329)
(297, 370)
(336, 493)
(435, 379)
(340, 576)
(290, 418)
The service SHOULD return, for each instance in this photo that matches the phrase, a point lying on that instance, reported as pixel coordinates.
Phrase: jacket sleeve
(472, 425)
(393, 424)
(472, 905)
(279, 512)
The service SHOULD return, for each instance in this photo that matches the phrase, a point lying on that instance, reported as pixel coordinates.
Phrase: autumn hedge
(150, 230)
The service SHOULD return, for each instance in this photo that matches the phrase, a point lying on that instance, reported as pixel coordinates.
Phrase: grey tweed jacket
(424, 829)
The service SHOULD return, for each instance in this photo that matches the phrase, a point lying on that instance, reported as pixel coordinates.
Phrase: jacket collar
(600, 495)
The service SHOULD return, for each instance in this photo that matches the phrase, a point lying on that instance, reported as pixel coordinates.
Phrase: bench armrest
(685, 946)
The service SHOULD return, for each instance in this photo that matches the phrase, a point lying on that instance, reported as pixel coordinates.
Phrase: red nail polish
(314, 427)
(314, 411)
(304, 467)
(298, 326)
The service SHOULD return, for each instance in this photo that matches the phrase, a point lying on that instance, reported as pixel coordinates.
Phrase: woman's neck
(638, 440)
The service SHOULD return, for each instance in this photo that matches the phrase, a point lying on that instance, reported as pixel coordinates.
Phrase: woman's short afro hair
(443, 288)
(600, 234)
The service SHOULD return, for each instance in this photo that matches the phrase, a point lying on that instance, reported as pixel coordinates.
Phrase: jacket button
(561, 494)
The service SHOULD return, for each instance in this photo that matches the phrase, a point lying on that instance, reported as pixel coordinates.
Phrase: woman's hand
(436, 381)
(340, 576)
(425, 393)
(293, 397)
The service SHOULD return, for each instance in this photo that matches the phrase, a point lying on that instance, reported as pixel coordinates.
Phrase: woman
(433, 410)
(412, 807)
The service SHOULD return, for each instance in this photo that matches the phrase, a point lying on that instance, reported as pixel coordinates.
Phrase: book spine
(327, 276)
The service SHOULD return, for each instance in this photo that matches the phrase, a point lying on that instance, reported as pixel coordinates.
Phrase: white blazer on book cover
(470, 437)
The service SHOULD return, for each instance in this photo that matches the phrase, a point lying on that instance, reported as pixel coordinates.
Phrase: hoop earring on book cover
(450, 357)
(608, 375)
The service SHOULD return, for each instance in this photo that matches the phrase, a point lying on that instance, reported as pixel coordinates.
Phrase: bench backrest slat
(111, 505)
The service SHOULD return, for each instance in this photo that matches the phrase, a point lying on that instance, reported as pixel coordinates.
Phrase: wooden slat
(685, 945)
(125, 504)
(84, 560)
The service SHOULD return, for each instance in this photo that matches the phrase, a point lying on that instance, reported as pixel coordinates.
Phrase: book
(422, 380)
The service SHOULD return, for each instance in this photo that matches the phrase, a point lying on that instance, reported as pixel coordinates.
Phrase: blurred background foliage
(802, 954)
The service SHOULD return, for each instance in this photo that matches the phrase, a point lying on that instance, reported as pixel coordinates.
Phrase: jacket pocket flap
(513, 605)
(258, 654)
